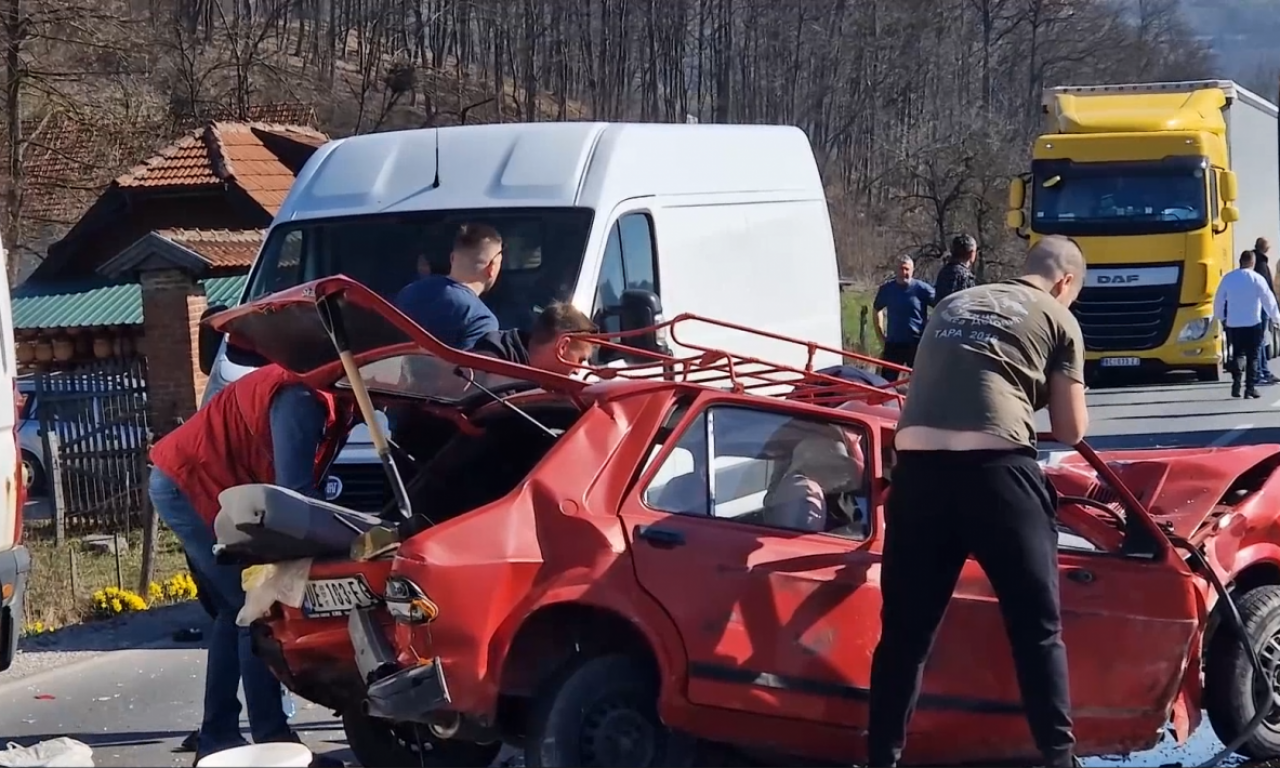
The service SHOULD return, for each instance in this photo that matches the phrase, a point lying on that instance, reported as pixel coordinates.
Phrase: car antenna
(470, 376)
(435, 183)
(331, 316)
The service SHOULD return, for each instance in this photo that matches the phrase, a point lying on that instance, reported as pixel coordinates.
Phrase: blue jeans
(231, 660)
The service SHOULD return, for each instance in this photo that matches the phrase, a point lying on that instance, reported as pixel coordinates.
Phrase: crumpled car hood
(1180, 486)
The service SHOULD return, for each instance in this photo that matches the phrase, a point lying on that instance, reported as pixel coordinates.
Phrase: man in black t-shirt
(957, 273)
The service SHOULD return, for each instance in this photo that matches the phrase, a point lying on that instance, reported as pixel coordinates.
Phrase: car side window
(768, 469)
(629, 262)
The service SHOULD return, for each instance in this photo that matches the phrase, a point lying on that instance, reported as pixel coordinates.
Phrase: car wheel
(32, 473)
(380, 743)
(1229, 693)
(1208, 373)
(603, 712)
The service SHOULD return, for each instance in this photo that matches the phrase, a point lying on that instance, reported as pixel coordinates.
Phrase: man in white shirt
(1243, 296)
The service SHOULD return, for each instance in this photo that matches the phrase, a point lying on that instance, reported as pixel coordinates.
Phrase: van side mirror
(1230, 214)
(1230, 187)
(209, 340)
(1017, 193)
(641, 309)
(1015, 219)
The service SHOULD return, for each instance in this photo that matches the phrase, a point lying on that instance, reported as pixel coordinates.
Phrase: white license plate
(1120, 362)
(337, 597)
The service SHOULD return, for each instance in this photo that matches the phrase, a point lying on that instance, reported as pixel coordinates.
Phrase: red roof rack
(710, 366)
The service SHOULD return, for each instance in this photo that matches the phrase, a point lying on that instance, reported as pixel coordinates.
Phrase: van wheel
(32, 473)
(603, 712)
(383, 744)
(1229, 691)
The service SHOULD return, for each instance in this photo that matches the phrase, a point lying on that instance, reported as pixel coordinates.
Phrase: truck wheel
(603, 712)
(382, 744)
(1229, 693)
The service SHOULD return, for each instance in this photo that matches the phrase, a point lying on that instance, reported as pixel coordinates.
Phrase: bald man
(967, 483)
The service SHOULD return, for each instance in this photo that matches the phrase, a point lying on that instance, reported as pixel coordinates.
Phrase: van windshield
(541, 255)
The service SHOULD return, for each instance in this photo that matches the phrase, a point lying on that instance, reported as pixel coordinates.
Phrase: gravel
(71, 645)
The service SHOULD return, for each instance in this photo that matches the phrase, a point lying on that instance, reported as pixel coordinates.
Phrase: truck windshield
(541, 254)
(1120, 198)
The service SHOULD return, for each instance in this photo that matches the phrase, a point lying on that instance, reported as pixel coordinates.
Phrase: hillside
(918, 110)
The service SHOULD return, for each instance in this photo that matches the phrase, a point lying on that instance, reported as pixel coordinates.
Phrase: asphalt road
(134, 707)
(1178, 413)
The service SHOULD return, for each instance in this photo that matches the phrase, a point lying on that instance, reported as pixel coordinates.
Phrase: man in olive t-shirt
(967, 483)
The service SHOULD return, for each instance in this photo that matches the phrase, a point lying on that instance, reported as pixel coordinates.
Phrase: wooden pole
(150, 532)
(57, 496)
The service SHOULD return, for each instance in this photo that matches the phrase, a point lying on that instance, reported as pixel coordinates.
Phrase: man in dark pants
(1244, 304)
(901, 307)
(967, 482)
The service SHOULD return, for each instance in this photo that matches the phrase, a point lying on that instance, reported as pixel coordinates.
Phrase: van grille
(1125, 319)
(364, 486)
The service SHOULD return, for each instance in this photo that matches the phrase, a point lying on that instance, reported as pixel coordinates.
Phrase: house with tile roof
(168, 238)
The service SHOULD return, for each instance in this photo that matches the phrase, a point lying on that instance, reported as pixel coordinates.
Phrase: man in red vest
(267, 427)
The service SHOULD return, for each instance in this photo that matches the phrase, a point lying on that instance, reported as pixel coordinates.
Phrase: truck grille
(364, 486)
(1126, 319)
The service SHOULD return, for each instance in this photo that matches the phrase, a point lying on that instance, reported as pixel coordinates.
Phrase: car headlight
(1194, 330)
(406, 602)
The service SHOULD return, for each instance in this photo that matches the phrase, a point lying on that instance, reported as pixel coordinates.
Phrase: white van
(724, 221)
(15, 562)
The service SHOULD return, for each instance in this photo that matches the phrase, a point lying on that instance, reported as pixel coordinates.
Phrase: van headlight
(407, 603)
(1194, 330)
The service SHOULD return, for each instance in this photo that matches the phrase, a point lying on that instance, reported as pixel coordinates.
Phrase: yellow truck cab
(1162, 185)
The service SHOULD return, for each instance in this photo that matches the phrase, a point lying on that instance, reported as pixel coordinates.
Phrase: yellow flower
(116, 607)
(155, 592)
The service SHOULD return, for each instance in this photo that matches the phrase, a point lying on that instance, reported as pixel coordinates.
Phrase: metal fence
(95, 438)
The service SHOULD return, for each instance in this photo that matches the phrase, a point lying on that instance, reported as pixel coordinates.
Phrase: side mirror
(1017, 193)
(1015, 220)
(1230, 214)
(1230, 187)
(209, 340)
(641, 309)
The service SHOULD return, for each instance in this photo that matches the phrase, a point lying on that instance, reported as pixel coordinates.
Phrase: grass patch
(856, 338)
(53, 600)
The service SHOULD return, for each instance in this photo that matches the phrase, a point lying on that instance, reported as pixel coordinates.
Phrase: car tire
(581, 715)
(380, 743)
(1208, 373)
(33, 474)
(1229, 696)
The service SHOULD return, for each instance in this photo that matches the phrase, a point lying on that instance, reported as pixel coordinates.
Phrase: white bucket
(281, 755)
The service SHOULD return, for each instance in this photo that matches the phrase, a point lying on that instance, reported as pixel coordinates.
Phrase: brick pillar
(172, 302)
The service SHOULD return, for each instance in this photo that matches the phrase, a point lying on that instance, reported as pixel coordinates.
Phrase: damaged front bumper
(401, 695)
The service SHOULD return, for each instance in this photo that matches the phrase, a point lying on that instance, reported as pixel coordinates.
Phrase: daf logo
(1118, 279)
(332, 487)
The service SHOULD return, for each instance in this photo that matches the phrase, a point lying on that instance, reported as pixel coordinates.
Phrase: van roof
(519, 165)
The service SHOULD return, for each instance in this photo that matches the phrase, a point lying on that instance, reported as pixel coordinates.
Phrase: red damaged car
(614, 572)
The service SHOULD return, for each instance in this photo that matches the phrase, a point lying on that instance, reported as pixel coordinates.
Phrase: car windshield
(1133, 198)
(542, 254)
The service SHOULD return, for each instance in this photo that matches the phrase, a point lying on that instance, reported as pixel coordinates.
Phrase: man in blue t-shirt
(901, 308)
(448, 306)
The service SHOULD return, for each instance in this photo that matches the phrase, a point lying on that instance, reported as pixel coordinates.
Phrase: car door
(777, 613)
(1128, 624)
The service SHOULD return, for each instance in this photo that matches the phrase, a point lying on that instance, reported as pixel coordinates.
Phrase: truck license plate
(1120, 362)
(337, 597)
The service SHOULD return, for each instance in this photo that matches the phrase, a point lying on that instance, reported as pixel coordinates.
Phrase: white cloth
(1243, 295)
